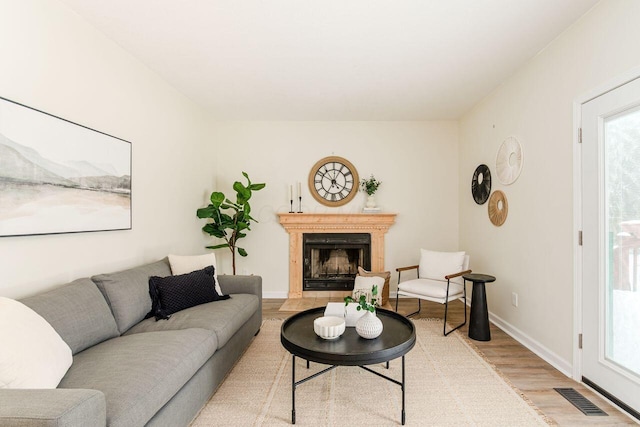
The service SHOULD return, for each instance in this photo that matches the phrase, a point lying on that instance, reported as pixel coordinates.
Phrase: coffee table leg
(293, 390)
(403, 413)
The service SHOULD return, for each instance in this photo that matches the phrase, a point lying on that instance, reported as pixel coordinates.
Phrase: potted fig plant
(368, 326)
(230, 221)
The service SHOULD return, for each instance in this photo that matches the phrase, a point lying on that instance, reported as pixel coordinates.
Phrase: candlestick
(291, 208)
(299, 204)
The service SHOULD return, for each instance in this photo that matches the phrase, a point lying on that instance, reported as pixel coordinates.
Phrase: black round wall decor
(481, 184)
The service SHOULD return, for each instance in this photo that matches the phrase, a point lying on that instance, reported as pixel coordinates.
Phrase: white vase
(369, 326)
(371, 201)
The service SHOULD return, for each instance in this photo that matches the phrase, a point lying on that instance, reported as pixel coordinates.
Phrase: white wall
(532, 253)
(416, 162)
(53, 61)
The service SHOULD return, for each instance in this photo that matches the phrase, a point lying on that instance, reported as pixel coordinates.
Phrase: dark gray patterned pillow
(174, 293)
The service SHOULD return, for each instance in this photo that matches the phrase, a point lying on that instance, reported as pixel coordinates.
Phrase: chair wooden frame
(444, 300)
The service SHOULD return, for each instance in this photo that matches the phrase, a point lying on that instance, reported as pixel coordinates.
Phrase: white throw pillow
(32, 354)
(185, 264)
(436, 265)
(363, 286)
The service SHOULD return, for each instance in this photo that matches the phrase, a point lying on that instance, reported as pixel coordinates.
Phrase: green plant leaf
(256, 187)
(207, 212)
(214, 230)
(217, 198)
(222, 245)
(242, 252)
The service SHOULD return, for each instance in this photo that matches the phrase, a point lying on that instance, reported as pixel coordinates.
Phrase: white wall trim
(577, 249)
(541, 351)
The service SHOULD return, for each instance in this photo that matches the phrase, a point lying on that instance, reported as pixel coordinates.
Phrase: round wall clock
(481, 184)
(333, 181)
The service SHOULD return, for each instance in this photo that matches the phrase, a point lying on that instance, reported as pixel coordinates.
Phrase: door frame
(602, 89)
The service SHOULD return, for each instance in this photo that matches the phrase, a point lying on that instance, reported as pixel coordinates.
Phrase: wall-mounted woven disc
(498, 208)
(509, 161)
(481, 184)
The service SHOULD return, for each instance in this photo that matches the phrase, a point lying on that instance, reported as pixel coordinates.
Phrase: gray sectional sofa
(130, 371)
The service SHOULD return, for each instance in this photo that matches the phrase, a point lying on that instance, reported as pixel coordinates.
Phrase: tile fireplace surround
(297, 224)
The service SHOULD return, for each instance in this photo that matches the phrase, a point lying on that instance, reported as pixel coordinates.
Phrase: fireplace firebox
(331, 260)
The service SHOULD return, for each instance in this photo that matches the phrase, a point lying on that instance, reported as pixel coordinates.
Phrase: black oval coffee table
(298, 337)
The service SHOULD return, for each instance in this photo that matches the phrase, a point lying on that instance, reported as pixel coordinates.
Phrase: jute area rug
(447, 384)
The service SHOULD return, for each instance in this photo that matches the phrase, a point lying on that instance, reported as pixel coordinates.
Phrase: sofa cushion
(430, 287)
(78, 312)
(140, 373)
(32, 354)
(223, 317)
(435, 265)
(175, 293)
(183, 264)
(383, 293)
(127, 292)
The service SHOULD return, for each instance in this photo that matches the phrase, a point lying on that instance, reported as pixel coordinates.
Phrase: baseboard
(540, 350)
(279, 294)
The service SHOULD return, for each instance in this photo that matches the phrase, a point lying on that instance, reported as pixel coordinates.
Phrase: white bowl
(329, 327)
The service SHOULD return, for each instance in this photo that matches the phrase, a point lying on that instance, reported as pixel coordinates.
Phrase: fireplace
(331, 260)
(298, 224)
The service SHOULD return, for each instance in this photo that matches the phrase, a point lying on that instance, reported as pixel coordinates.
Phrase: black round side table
(479, 321)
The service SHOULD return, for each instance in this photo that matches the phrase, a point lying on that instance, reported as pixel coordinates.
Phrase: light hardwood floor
(526, 371)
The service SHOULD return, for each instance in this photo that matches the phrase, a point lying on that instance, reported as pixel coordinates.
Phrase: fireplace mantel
(297, 224)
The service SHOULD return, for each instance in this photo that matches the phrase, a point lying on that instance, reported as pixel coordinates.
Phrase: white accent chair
(439, 280)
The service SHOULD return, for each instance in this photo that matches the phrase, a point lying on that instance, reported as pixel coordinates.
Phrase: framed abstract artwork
(57, 176)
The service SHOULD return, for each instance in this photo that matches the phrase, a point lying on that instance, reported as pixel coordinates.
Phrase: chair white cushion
(435, 289)
(436, 265)
(364, 285)
(185, 264)
(32, 354)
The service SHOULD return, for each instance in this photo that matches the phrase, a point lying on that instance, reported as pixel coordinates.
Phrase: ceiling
(333, 59)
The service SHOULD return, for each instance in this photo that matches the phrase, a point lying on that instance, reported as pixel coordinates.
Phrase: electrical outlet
(514, 299)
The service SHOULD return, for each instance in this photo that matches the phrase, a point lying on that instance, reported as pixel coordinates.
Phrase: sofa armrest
(241, 284)
(52, 408)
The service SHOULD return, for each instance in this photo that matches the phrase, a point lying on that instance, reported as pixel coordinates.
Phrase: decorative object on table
(370, 186)
(329, 327)
(237, 221)
(498, 208)
(368, 326)
(57, 176)
(333, 181)
(481, 184)
(349, 312)
(439, 280)
(509, 160)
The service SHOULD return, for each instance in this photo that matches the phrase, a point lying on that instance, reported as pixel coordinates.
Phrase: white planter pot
(371, 201)
(369, 326)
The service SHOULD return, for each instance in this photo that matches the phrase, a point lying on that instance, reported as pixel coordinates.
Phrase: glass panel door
(610, 215)
(622, 189)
